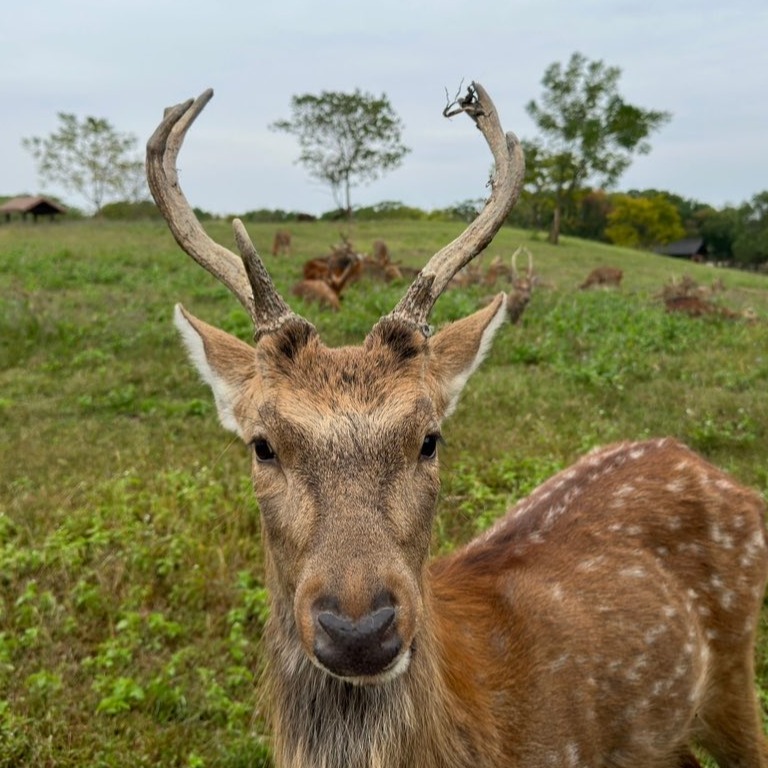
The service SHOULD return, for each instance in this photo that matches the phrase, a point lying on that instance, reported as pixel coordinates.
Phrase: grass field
(131, 602)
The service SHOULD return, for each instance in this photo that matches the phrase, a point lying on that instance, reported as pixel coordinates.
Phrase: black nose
(363, 647)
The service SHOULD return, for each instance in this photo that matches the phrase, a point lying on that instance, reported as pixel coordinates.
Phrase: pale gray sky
(704, 61)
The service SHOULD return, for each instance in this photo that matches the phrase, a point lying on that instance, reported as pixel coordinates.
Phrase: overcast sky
(705, 62)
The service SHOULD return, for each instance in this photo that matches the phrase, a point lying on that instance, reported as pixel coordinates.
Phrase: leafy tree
(345, 139)
(751, 243)
(719, 228)
(591, 217)
(642, 222)
(690, 210)
(588, 131)
(91, 158)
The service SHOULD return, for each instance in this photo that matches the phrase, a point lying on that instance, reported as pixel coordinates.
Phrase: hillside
(132, 602)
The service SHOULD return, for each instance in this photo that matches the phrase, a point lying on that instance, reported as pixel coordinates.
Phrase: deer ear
(458, 349)
(225, 363)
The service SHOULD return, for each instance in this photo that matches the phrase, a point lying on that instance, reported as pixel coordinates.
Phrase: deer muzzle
(354, 648)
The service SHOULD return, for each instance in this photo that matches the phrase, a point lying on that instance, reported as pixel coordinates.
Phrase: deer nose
(357, 648)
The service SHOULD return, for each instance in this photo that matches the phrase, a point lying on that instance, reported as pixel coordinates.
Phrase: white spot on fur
(572, 755)
(675, 486)
(719, 536)
(590, 564)
(625, 490)
(634, 572)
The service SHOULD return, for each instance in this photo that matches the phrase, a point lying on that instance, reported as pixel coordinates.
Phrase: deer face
(344, 441)
(344, 463)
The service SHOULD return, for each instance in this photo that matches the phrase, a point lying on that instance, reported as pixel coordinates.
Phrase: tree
(90, 158)
(345, 138)
(642, 222)
(751, 243)
(588, 131)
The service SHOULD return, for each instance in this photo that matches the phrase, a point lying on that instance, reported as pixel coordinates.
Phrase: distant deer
(603, 276)
(379, 265)
(522, 286)
(380, 252)
(282, 243)
(685, 296)
(608, 619)
(326, 290)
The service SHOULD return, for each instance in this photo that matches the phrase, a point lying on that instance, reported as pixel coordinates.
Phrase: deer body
(282, 243)
(607, 621)
(603, 276)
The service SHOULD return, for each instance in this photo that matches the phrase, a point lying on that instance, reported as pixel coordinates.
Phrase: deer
(603, 276)
(608, 619)
(282, 243)
(522, 286)
(326, 290)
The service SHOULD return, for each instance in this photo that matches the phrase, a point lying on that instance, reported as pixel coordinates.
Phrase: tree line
(587, 136)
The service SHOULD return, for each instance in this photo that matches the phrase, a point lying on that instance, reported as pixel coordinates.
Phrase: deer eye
(429, 447)
(263, 450)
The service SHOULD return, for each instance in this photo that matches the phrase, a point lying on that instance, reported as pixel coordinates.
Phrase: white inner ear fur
(223, 392)
(454, 386)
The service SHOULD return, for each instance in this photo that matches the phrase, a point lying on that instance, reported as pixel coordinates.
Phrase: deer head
(344, 442)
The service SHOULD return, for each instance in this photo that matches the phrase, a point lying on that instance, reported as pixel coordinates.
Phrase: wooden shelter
(31, 206)
(693, 248)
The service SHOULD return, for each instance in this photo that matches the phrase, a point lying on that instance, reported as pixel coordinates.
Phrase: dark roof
(30, 204)
(687, 247)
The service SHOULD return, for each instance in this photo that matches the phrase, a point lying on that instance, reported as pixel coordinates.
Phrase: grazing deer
(282, 243)
(607, 620)
(603, 276)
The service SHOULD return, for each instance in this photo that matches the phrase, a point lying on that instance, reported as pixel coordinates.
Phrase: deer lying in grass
(603, 276)
(327, 290)
(607, 620)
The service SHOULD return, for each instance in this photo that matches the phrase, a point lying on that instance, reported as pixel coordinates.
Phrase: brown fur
(327, 287)
(282, 243)
(319, 291)
(603, 276)
(608, 619)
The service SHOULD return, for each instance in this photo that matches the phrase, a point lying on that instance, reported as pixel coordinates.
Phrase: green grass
(131, 602)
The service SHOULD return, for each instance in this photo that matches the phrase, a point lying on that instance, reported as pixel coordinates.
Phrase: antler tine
(425, 290)
(246, 278)
(513, 261)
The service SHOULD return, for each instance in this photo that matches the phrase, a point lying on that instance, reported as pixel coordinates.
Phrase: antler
(425, 290)
(247, 278)
(529, 273)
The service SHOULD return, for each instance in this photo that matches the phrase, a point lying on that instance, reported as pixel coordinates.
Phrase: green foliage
(588, 130)
(345, 138)
(389, 210)
(133, 603)
(751, 243)
(89, 157)
(126, 210)
(642, 222)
